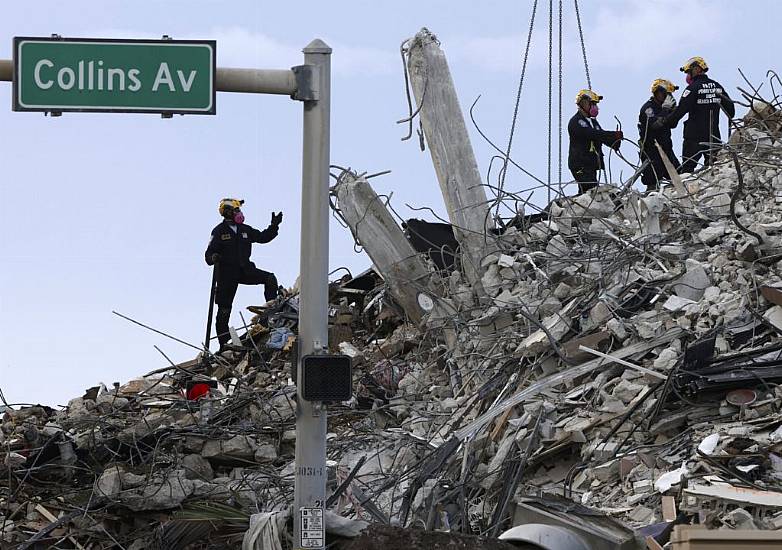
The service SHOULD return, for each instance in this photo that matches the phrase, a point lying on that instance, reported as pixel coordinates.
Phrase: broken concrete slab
(692, 284)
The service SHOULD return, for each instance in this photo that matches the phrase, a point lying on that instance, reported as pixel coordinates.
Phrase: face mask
(239, 217)
(689, 79)
(593, 110)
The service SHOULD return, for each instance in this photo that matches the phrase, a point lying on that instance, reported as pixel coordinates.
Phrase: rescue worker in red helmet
(652, 130)
(702, 100)
(229, 249)
(585, 155)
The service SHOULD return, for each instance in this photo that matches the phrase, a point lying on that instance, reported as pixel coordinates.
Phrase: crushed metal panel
(599, 531)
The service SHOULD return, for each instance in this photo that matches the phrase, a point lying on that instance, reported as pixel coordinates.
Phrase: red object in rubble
(197, 391)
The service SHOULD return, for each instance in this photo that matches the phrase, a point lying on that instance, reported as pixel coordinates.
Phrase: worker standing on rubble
(229, 251)
(652, 129)
(585, 156)
(703, 100)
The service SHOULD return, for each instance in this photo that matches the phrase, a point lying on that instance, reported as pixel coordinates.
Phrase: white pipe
(256, 81)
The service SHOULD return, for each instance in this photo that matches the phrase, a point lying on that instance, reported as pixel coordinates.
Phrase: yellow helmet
(667, 85)
(225, 204)
(589, 94)
(693, 61)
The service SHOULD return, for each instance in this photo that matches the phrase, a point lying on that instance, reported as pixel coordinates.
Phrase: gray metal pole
(256, 81)
(310, 489)
(6, 70)
(252, 81)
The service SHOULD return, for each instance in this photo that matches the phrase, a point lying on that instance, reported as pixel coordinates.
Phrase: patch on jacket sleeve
(583, 123)
(686, 93)
(649, 112)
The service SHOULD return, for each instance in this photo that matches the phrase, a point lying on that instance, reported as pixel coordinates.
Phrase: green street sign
(122, 76)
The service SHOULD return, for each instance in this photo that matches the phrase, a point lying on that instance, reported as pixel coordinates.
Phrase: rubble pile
(622, 352)
(212, 438)
(617, 366)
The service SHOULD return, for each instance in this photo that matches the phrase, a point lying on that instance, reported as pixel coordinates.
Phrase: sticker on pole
(312, 529)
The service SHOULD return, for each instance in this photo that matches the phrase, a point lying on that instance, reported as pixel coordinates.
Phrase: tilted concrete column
(451, 150)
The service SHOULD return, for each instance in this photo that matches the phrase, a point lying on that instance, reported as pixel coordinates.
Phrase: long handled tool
(212, 291)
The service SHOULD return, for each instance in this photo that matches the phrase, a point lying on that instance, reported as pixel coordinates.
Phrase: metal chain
(583, 46)
(559, 171)
(516, 108)
(550, 86)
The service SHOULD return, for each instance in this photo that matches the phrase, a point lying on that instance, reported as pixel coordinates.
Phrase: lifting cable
(559, 114)
(514, 119)
(550, 90)
(583, 46)
(515, 110)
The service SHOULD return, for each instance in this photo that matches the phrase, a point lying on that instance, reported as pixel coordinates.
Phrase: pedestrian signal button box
(327, 378)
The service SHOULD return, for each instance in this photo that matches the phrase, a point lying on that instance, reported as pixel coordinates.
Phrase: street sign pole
(310, 488)
(311, 84)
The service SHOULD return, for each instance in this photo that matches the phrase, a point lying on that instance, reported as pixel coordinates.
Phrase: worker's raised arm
(579, 128)
(685, 105)
(269, 233)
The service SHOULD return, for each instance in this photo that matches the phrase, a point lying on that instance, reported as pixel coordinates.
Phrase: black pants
(692, 150)
(228, 281)
(586, 178)
(655, 171)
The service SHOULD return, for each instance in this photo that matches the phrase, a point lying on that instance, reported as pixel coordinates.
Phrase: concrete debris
(620, 351)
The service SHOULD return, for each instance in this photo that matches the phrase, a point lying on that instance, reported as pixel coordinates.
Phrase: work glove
(214, 258)
(670, 103)
(618, 136)
(276, 218)
(659, 123)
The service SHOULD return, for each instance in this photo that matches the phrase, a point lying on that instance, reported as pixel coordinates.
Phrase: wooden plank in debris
(741, 496)
(374, 228)
(452, 155)
(594, 340)
(500, 426)
(52, 518)
(676, 179)
(622, 362)
(772, 294)
(696, 537)
(669, 508)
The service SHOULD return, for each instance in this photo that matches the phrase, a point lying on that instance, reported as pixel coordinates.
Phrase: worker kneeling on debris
(585, 156)
(229, 251)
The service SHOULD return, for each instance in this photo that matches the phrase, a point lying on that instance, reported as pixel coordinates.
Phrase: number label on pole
(312, 528)
(123, 76)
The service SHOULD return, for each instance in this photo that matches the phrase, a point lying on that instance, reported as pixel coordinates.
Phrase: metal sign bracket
(307, 83)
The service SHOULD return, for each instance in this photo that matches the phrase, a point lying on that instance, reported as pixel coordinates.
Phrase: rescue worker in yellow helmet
(651, 129)
(702, 100)
(229, 251)
(585, 155)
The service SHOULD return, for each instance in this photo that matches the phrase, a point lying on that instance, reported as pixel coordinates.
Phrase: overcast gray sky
(107, 212)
